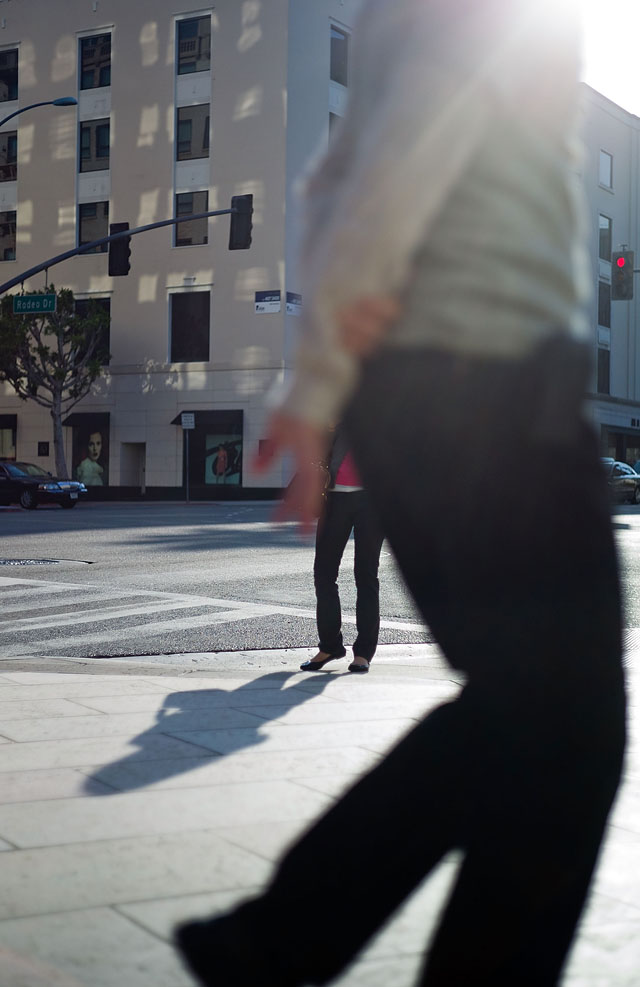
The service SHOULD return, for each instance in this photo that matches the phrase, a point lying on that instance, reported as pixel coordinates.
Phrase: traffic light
(622, 263)
(241, 222)
(119, 251)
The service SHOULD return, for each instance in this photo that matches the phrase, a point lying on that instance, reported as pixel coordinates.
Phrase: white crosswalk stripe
(97, 606)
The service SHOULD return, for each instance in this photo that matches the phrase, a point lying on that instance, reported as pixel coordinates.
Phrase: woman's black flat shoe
(361, 669)
(314, 665)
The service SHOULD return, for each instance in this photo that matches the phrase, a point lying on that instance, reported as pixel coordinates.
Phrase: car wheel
(636, 495)
(28, 500)
(68, 504)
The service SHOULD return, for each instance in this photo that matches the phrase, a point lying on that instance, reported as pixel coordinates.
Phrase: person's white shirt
(434, 85)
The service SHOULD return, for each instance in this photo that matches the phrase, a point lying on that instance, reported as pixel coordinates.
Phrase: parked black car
(29, 485)
(624, 482)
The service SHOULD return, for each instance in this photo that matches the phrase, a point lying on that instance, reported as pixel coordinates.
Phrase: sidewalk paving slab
(137, 793)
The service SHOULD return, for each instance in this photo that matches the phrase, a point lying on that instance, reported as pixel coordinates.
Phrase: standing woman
(347, 508)
(453, 187)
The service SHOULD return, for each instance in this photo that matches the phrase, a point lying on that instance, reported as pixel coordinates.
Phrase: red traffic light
(622, 262)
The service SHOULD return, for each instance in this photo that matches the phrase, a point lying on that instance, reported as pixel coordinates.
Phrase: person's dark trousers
(346, 512)
(502, 532)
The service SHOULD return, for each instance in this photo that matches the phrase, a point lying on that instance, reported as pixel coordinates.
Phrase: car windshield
(25, 469)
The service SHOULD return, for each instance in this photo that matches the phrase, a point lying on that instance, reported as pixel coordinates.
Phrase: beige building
(179, 108)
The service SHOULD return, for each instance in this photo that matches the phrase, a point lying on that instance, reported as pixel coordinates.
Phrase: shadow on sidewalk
(194, 712)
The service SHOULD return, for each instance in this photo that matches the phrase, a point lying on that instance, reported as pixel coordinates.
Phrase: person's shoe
(228, 952)
(318, 661)
(194, 945)
(360, 665)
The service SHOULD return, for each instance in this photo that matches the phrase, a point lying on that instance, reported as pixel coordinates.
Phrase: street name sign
(33, 304)
(267, 301)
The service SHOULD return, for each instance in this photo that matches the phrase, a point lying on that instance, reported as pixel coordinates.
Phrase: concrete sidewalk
(134, 794)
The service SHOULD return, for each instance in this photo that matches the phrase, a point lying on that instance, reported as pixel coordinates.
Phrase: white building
(611, 176)
(179, 108)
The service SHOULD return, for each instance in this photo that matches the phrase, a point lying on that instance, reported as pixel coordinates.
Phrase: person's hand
(307, 443)
(362, 324)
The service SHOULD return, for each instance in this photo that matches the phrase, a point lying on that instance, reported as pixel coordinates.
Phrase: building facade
(179, 108)
(611, 176)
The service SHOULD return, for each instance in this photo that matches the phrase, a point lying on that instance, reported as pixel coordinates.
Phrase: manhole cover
(29, 561)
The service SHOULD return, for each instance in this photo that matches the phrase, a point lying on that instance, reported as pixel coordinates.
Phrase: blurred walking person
(446, 293)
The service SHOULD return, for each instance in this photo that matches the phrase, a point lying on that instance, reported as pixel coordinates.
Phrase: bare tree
(53, 358)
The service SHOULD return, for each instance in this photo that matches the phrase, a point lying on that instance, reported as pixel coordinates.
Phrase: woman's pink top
(347, 475)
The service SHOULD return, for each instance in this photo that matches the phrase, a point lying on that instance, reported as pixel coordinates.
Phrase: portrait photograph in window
(223, 459)
(90, 449)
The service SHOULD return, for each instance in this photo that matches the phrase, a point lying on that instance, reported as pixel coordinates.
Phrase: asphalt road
(166, 578)
(135, 579)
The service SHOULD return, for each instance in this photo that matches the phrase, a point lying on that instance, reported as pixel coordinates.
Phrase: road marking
(39, 587)
(95, 617)
(204, 601)
(226, 611)
(152, 630)
(75, 601)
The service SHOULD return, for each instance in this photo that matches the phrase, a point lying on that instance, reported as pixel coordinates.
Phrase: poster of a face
(91, 453)
(223, 459)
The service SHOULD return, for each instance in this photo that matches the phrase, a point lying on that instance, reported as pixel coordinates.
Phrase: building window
(94, 145)
(606, 169)
(604, 304)
(7, 236)
(189, 334)
(93, 224)
(605, 241)
(86, 307)
(95, 61)
(334, 120)
(339, 56)
(604, 363)
(8, 75)
(194, 231)
(8, 156)
(193, 132)
(194, 45)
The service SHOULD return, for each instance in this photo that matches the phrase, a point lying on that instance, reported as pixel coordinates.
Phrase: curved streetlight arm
(62, 101)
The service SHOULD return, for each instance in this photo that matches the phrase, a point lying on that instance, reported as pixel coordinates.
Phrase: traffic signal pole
(237, 210)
